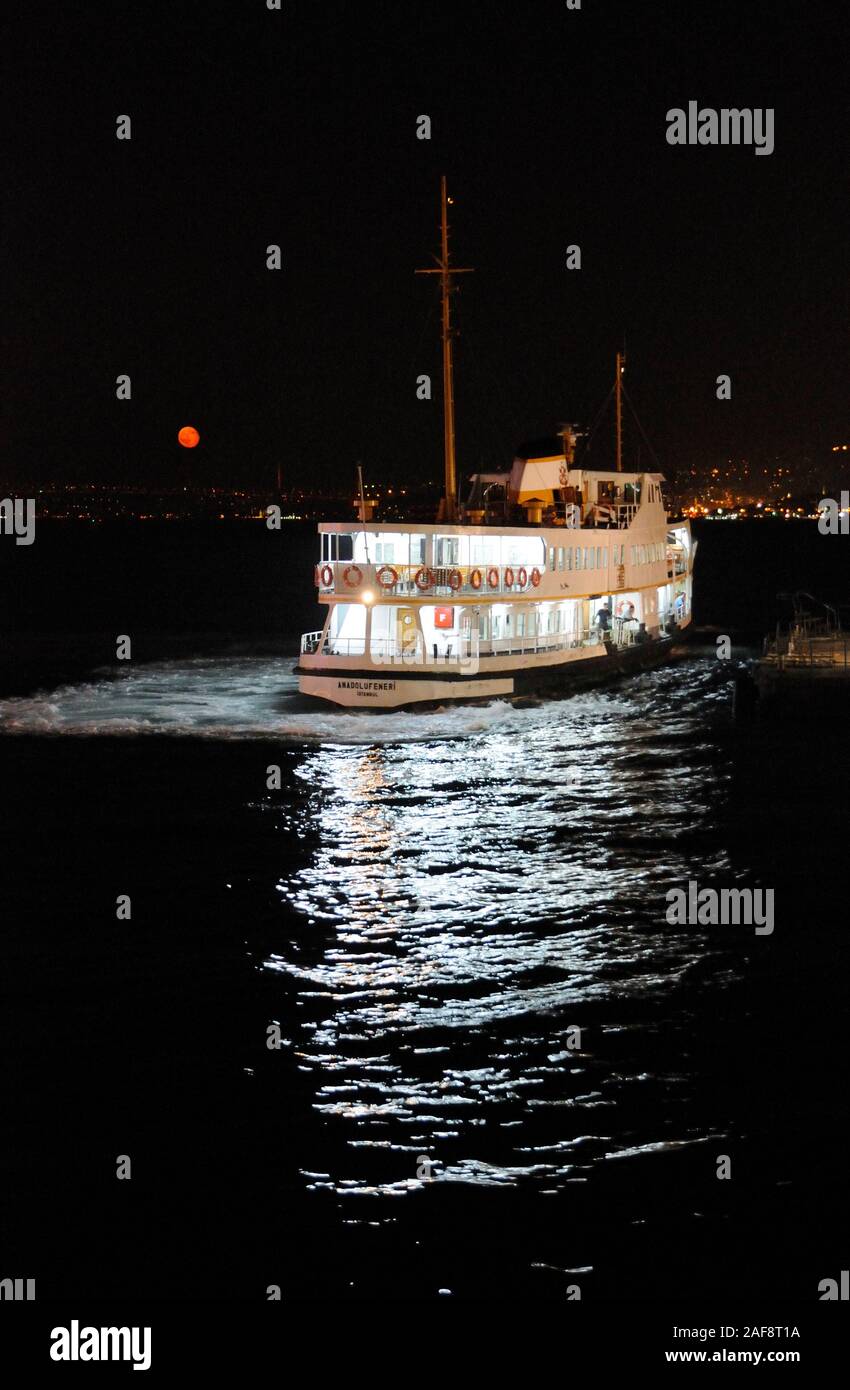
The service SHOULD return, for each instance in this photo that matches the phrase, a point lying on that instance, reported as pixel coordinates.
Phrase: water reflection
(479, 899)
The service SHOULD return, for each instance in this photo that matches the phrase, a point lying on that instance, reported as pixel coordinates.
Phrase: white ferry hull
(370, 692)
(581, 670)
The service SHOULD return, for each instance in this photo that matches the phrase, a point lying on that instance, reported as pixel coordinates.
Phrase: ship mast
(618, 384)
(445, 271)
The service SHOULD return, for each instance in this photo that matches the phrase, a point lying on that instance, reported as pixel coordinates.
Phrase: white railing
(422, 581)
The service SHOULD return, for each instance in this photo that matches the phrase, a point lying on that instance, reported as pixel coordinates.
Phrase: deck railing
(420, 581)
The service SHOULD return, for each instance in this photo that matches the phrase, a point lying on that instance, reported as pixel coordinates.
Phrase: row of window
(589, 557)
(521, 623)
(584, 557)
(648, 554)
(579, 557)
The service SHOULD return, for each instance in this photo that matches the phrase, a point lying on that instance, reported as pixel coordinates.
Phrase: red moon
(189, 437)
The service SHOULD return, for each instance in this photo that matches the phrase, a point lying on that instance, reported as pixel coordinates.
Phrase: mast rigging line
(594, 427)
(646, 439)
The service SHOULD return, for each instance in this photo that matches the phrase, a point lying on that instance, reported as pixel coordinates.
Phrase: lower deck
(454, 634)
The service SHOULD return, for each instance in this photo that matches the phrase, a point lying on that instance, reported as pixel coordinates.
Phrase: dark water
(427, 908)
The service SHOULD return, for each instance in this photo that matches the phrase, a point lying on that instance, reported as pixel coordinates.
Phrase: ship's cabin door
(405, 631)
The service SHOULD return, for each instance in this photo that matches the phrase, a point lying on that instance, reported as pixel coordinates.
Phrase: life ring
(509, 578)
(522, 576)
(348, 576)
(535, 576)
(424, 579)
(387, 577)
(475, 579)
(493, 578)
(455, 580)
(327, 576)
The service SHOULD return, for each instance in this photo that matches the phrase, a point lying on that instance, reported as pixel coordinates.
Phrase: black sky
(297, 127)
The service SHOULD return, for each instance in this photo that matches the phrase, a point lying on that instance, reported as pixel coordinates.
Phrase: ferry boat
(552, 576)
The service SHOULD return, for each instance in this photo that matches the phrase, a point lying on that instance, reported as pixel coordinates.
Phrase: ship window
(578, 557)
(560, 557)
(384, 552)
(588, 558)
(551, 557)
(344, 547)
(520, 624)
(569, 557)
(599, 557)
(632, 553)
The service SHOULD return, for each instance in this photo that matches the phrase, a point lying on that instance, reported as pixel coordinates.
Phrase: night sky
(298, 127)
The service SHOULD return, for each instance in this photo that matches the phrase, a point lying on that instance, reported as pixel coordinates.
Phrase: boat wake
(244, 697)
(231, 698)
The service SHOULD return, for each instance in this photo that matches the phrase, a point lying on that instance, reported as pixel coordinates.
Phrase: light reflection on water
(484, 879)
(470, 900)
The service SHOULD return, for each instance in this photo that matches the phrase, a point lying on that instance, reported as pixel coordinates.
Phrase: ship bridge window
(337, 547)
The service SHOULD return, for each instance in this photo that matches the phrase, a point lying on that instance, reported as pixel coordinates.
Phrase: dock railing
(809, 642)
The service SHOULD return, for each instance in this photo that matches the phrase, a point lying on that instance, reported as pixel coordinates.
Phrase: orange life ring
(455, 580)
(493, 578)
(522, 576)
(535, 576)
(348, 576)
(387, 577)
(327, 576)
(423, 579)
(509, 578)
(475, 579)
